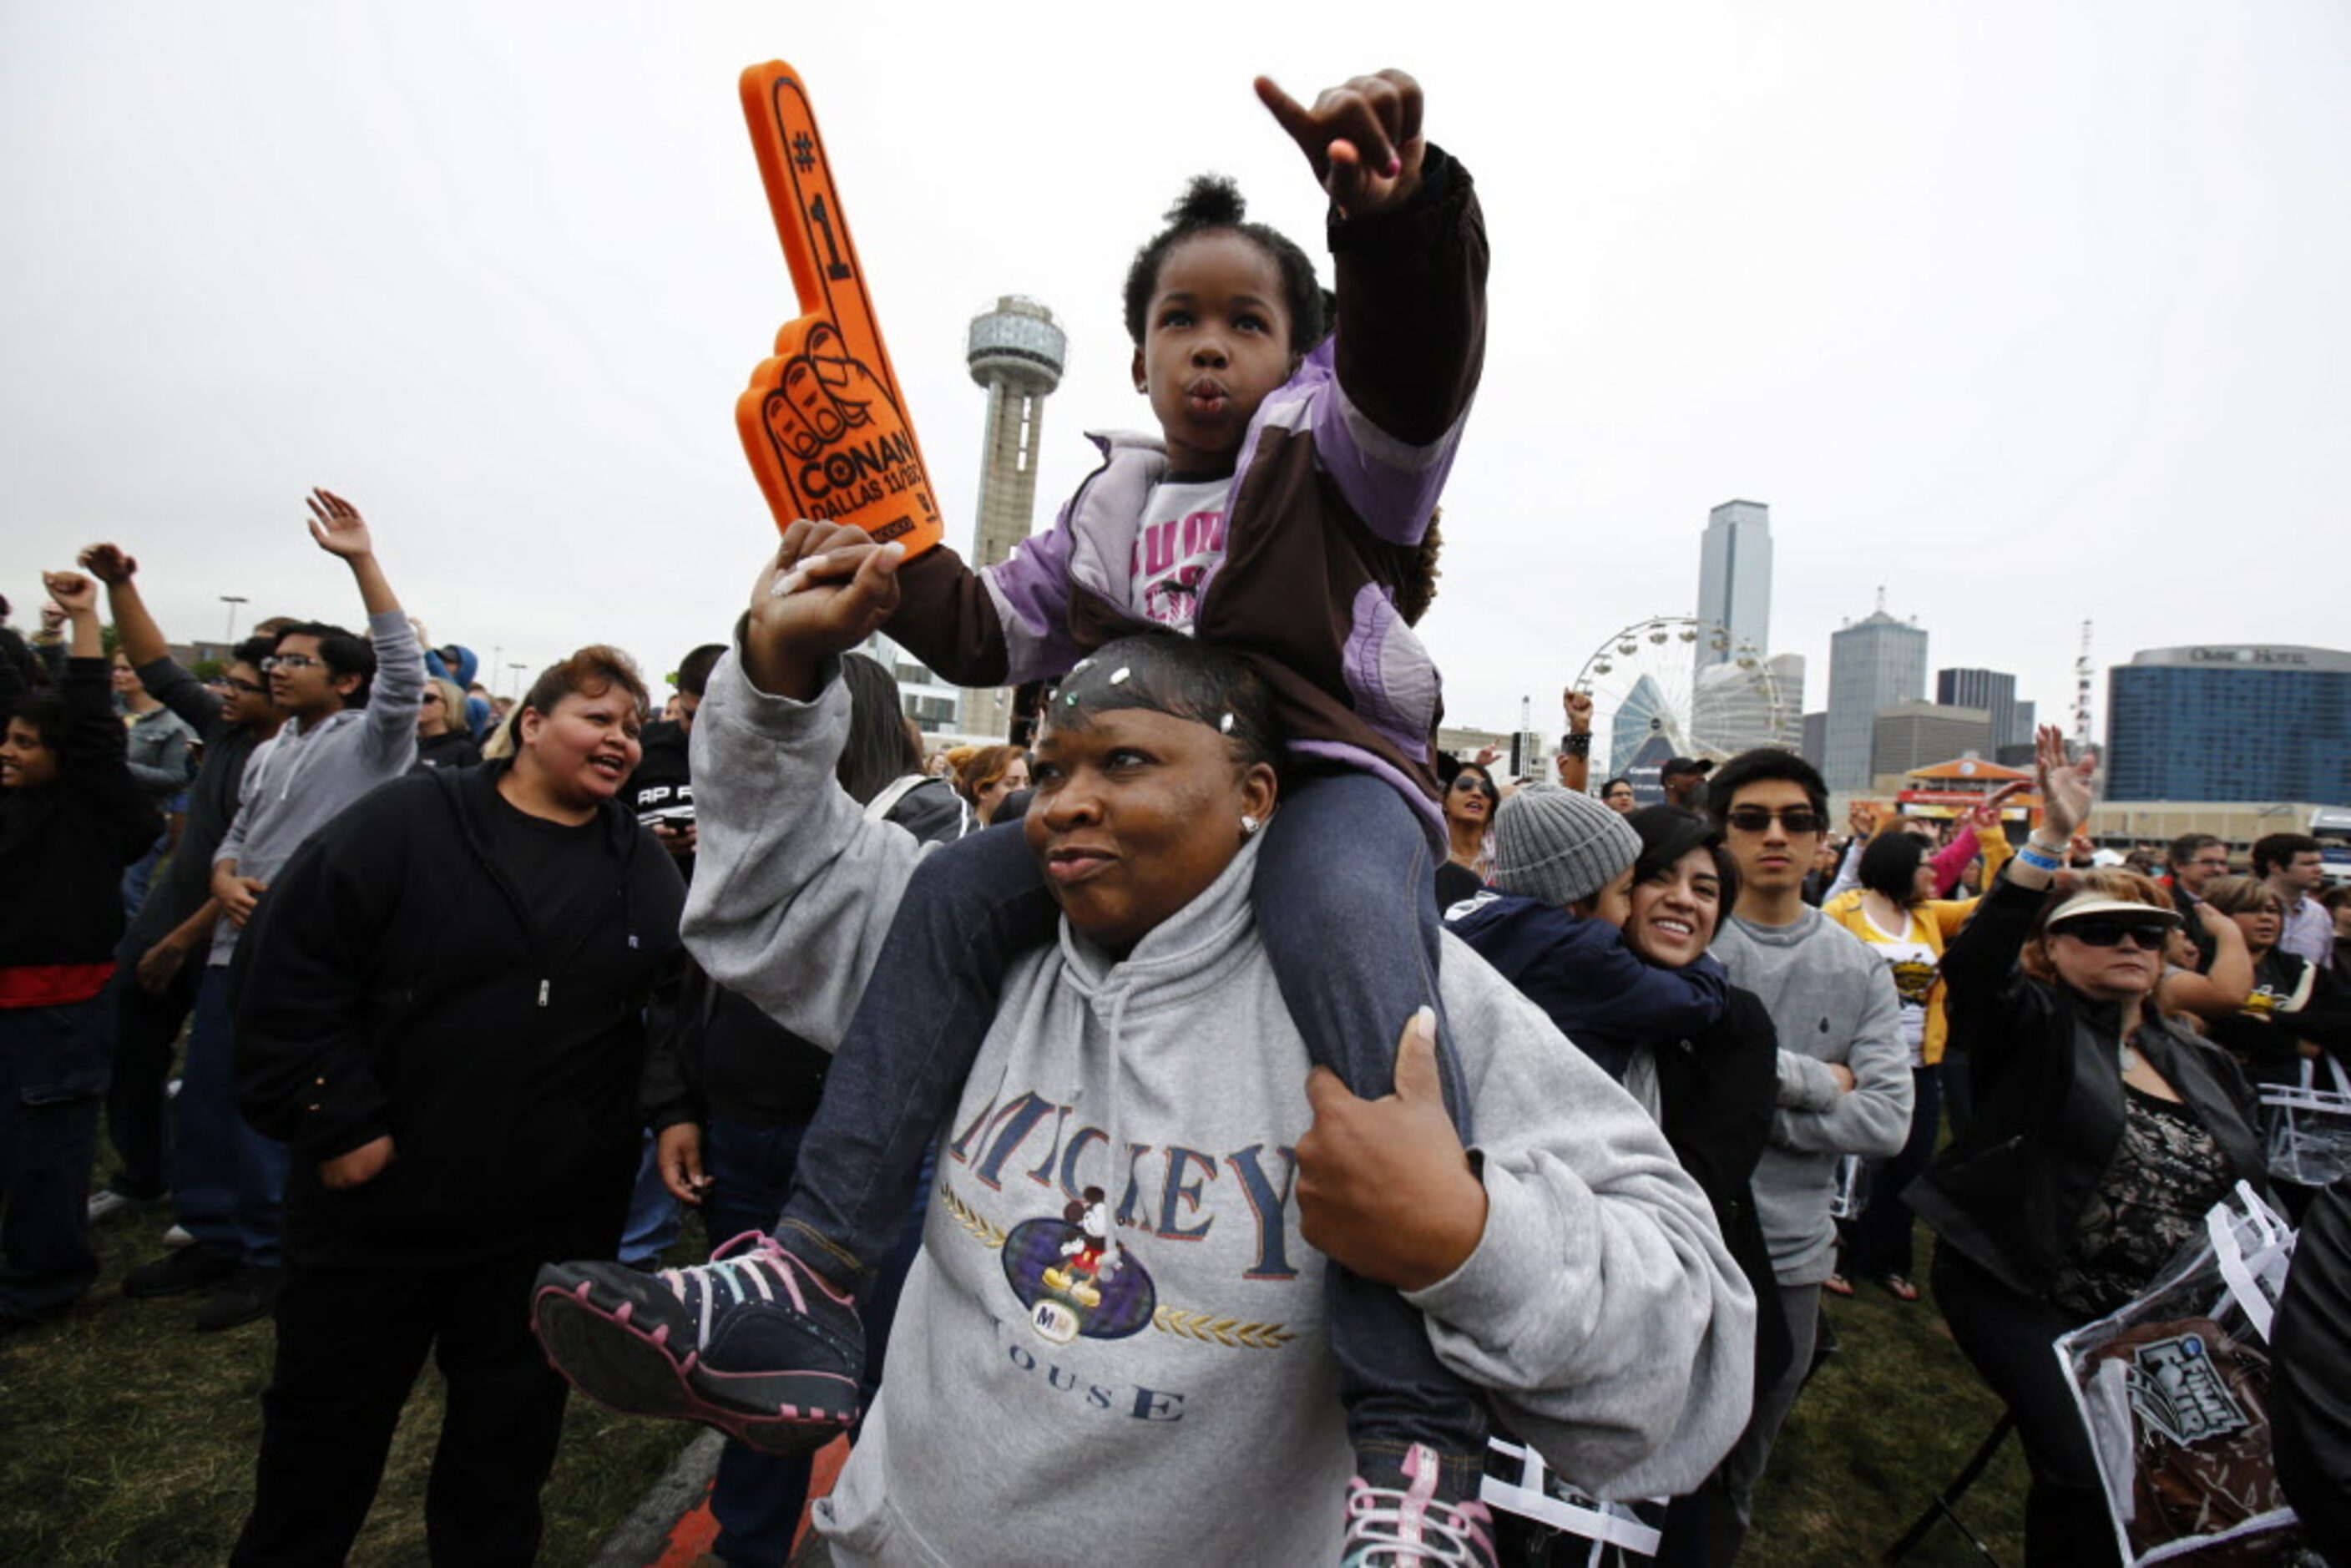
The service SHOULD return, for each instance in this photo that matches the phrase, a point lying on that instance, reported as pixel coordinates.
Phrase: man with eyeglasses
(1844, 1089)
(2193, 859)
(349, 713)
(154, 985)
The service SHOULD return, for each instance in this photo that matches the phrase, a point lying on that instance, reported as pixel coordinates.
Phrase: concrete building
(2235, 722)
(1734, 579)
(1815, 747)
(1017, 353)
(1788, 681)
(1910, 735)
(1993, 690)
(1873, 664)
(933, 706)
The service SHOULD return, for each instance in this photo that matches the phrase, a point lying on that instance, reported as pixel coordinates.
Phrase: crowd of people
(1238, 1111)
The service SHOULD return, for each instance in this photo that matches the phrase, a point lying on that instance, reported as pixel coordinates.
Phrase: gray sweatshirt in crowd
(307, 775)
(1832, 1000)
(1151, 1374)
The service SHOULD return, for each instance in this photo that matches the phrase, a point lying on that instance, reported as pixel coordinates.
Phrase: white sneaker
(106, 1201)
(178, 1237)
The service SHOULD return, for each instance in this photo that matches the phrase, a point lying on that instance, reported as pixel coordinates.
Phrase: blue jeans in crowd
(653, 1224)
(758, 1498)
(52, 1076)
(229, 1182)
(1345, 853)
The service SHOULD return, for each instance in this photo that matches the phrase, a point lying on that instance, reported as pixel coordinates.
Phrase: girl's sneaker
(1389, 1526)
(754, 1343)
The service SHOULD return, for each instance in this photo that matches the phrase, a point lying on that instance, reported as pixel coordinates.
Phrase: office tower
(1017, 353)
(1993, 690)
(1873, 664)
(2232, 723)
(1734, 579)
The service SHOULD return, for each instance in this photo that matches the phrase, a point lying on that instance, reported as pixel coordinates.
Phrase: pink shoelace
(1388, 1528)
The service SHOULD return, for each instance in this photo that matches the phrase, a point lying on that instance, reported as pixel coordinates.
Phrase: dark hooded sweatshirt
(434, 966)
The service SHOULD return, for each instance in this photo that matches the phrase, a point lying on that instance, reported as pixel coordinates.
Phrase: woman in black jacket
(1715, 1094)
(441, 1009)
(2101, 1135)
(71, 817)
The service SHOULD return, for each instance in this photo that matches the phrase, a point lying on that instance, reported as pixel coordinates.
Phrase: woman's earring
(1249, 825)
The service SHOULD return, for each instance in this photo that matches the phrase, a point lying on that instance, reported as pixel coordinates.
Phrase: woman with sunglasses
(2295, 1013)
(2101, 1135)
(1471, 798)
(442, 738)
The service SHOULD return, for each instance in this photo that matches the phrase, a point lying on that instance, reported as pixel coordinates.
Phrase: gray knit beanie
(1560, 845)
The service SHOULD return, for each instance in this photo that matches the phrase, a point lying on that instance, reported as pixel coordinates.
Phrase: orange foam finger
(823, 420)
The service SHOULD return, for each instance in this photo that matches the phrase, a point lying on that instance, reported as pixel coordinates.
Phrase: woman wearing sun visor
(2102, 1134)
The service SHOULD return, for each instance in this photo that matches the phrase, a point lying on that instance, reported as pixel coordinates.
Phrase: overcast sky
(2026, 312)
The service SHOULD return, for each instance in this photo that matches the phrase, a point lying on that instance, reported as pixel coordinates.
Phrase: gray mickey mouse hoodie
(1159, 1385)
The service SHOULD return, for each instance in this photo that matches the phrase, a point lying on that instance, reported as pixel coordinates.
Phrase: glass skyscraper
(2247, 722)
(1734, 579)
(1873, 664)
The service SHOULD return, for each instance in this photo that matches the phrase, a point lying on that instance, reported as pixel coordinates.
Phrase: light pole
(232, 600)
(518, 669)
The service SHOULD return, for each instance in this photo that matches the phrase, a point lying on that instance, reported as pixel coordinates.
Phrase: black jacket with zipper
(1716, 1092)
(394, 983)
(2009, 1190)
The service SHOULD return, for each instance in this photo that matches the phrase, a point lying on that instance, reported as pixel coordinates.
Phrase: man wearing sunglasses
(154, 985)
(1844, 1088)
(348, 707)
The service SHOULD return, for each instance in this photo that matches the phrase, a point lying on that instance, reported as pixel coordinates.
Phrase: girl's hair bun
(1210, 202)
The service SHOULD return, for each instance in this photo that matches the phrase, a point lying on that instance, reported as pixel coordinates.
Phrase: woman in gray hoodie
(1108, 1343)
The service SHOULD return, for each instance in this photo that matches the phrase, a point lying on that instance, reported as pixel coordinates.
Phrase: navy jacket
(1600, 993)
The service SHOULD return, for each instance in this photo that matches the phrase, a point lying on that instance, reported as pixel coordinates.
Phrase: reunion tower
(1017, 353)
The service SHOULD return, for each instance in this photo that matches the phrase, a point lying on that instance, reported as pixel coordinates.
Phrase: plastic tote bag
(2173, 1389)
(2309, 1126)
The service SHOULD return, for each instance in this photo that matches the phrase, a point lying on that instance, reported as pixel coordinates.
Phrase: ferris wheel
(1681, 687)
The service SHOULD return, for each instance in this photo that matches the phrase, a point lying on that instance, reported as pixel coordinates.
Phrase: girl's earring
(1249, 825)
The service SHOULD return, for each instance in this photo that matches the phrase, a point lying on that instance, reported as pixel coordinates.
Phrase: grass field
(125, 1439)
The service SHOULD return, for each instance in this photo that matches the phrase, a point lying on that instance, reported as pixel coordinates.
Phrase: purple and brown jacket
(1331, 493)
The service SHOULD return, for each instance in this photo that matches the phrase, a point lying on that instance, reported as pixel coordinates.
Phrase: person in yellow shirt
(1895, 911)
